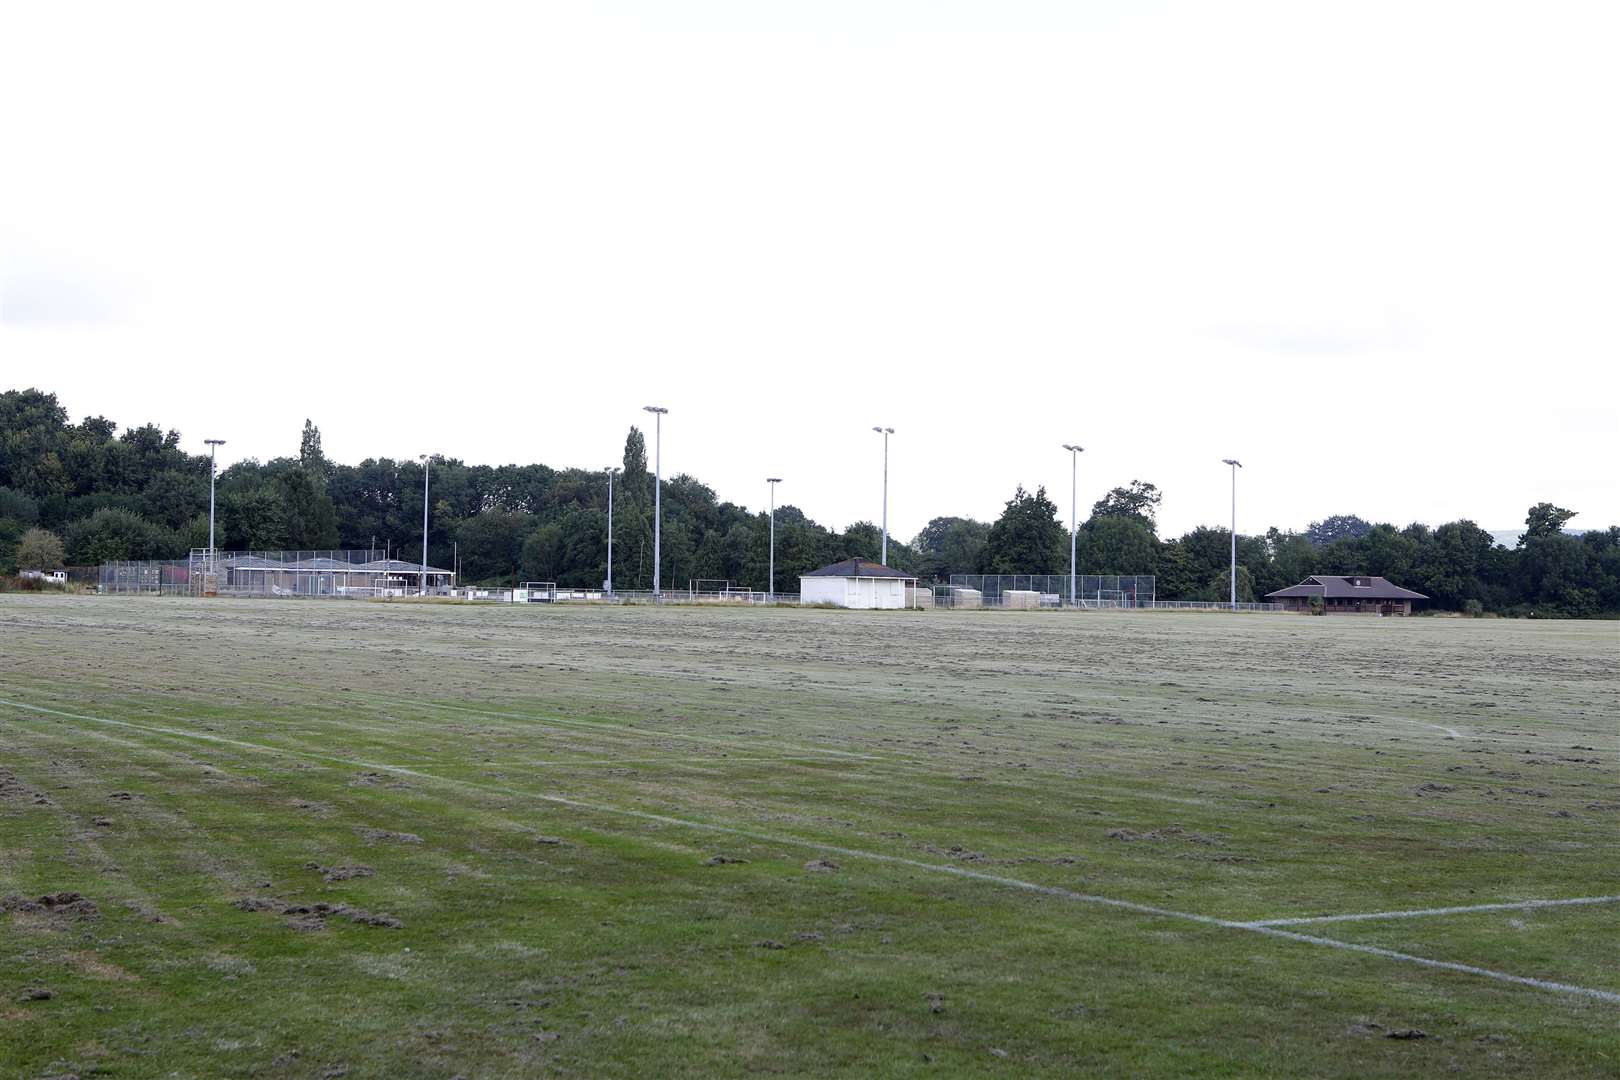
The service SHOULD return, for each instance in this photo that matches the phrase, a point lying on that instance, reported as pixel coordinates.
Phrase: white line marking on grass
(857, 853)
(1450, 732)
(1445, 965)
(1522, 905)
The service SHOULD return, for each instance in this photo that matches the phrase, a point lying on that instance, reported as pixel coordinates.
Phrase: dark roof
(859, 568)
(398, 566)
(1348, 587)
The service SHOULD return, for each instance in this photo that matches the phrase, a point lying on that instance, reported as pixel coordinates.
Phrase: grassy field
(395, 840)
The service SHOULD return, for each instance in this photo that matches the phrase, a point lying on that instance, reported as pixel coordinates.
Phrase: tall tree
(1138, 499)
(950, 545)
(1545, 519)
(1027, 538)
(309, 518)
(310, 455)
(1338, 527)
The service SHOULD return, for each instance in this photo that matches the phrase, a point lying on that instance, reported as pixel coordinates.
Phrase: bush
(111, 534)
(40, 549)
(1473, 608)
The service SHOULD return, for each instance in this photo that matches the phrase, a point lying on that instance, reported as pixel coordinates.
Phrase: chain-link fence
(360, 573)
(1048, 590)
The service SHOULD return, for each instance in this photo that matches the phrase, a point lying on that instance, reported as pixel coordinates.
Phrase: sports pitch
(400, 840)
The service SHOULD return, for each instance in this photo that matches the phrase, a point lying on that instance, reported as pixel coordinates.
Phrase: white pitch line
(1445, 965)
(871, 856)
(1522, 905)
(1450, 732)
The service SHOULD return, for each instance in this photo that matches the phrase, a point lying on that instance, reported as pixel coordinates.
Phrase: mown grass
(1242, 767)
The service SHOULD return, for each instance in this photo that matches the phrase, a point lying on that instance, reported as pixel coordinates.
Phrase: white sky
(1369, 249)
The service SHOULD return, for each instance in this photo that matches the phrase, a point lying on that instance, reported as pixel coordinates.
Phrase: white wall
(853, 592)
(821, 590)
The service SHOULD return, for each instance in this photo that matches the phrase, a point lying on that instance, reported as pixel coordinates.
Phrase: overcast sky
(1372, 250)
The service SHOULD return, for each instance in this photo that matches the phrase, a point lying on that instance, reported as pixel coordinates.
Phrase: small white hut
(856, 583)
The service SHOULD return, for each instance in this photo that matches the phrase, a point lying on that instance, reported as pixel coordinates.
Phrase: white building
(856, 583)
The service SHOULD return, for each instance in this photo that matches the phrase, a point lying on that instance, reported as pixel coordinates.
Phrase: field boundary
(1264, 928)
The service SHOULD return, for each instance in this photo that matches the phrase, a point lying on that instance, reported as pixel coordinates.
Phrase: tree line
(85, 493)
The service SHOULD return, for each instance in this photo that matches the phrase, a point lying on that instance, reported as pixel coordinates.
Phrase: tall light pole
(770, 589)
(658, 491)
(885, 432)
(1236, 465)
(427, 463)
(610, 471)
(1074, 511)
(213, 449)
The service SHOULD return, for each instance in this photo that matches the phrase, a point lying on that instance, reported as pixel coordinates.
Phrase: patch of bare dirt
(314, 916)
(373, 836)
(370, 778)
(14, 790)
(821, 866)
(62, 906)
(330, 874)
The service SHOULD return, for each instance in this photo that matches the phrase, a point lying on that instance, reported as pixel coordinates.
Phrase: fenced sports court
(1091, 591)
(360, 574)
(1047, 590)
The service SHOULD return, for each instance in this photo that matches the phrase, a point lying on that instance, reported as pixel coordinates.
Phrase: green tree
(1452, 566)
(1219, 587)
(1545, 519)
(40, 549)
(113, 534)
(1292, 559)
(309, 520)
(1337, 527)
(492, 545)
(310, 455)
(1388, 553)
(1118, 544)
(950, 545)
(1027, 538)
(18, 507)
(254, 519)
(1137, 500)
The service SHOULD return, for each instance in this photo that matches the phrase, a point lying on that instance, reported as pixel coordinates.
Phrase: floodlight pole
(213, 448)
(658, 492)
(427, 463)
(1236, 465)
(885, 432)
(1074, 512)
(611, 470)
(770, 588)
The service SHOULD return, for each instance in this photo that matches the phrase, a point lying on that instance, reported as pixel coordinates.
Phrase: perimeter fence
(1051, 590)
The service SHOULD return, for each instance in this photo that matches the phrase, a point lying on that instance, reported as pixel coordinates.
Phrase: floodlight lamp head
(773, 479)
(655, 409)
(1233, 462)
(1074, 447)
(215, 442)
